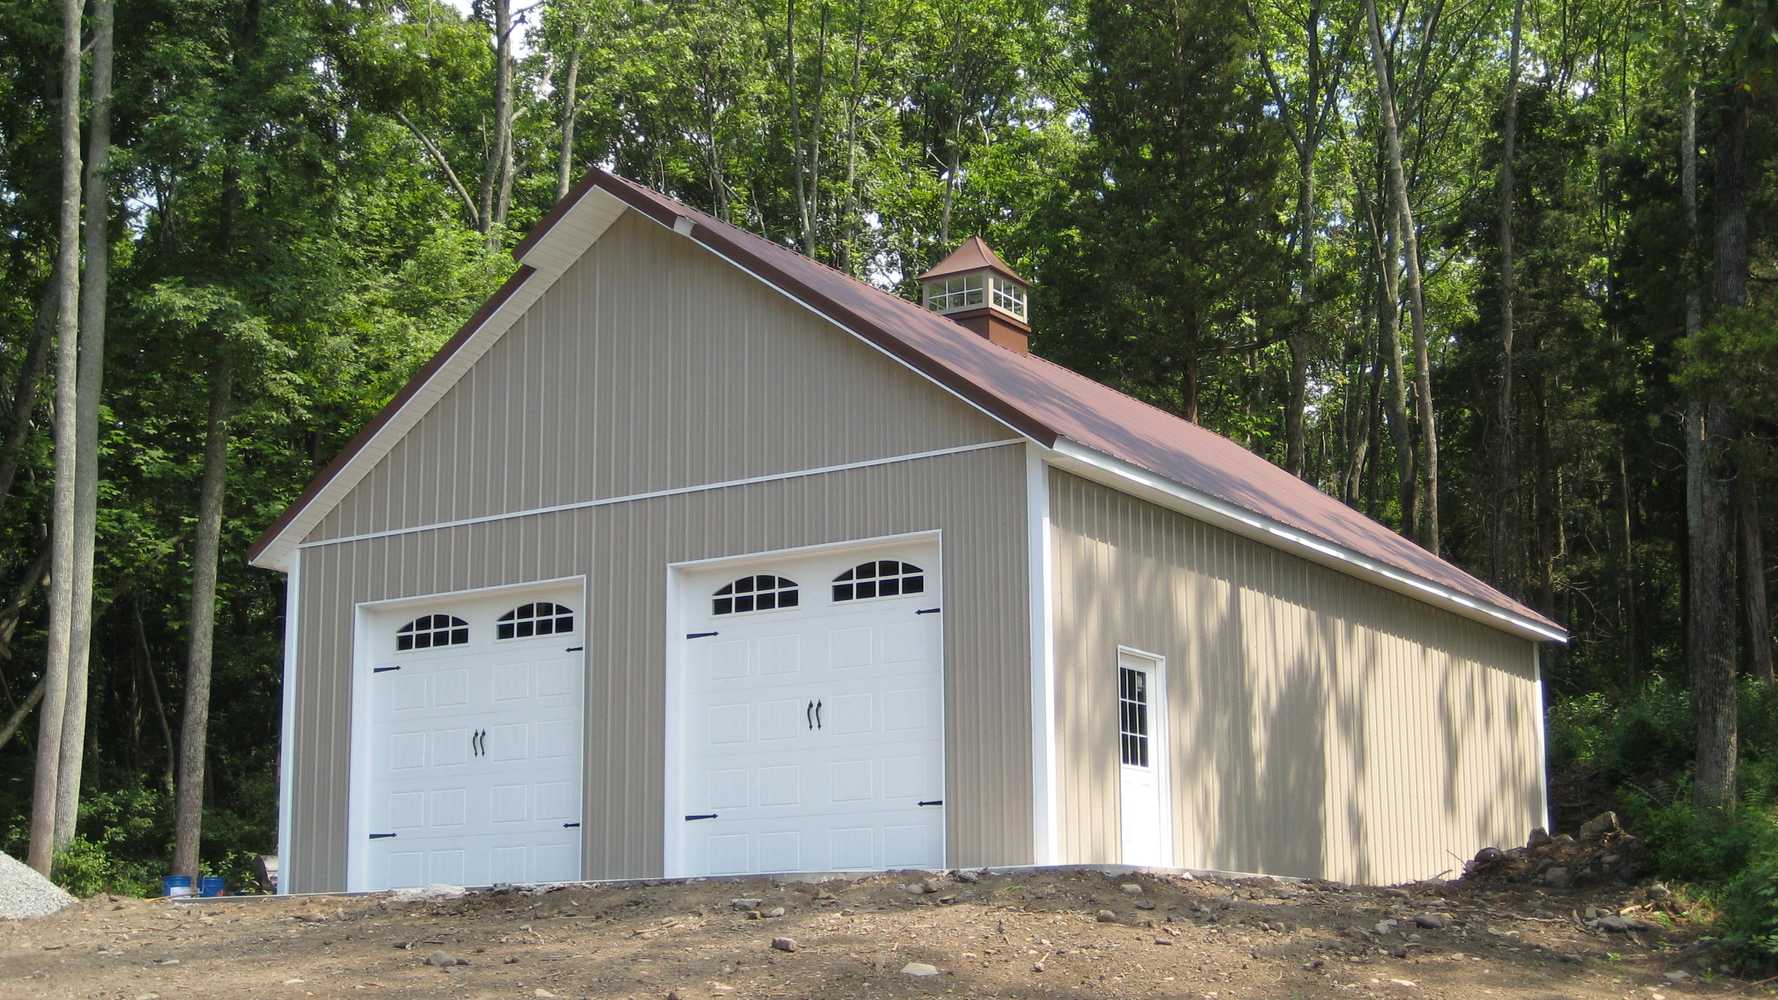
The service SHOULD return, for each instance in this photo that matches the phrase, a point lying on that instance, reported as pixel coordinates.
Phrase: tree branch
(438, 158)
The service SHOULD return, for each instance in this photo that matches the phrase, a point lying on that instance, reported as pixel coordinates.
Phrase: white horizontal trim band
(1264, 529)
(656, 494)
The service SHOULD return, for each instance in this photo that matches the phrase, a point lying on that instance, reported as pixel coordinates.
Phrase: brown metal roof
(1041, 400)
(973, 255)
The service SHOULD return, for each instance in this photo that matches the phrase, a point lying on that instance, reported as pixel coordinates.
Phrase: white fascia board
(567, 240)
(1140, 482)
(577, 229)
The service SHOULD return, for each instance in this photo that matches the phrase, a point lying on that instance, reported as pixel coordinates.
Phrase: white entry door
(1142, 751)
(474, 769)
(814, 714)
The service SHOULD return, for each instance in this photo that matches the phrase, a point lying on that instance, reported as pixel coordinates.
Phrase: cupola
(977, 289)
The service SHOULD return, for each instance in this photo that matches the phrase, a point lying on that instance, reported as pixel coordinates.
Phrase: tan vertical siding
(975, 499)
(650, 364)
(1320, 725)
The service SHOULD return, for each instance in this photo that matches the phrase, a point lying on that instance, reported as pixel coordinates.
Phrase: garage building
(688, 555)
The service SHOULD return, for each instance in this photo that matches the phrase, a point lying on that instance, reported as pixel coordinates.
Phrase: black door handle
(473, 752)
(817, 713)
(808, 715)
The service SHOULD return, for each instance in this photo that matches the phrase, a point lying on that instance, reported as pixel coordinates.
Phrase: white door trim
(358, 772)
(679, 602)
(1160, 713)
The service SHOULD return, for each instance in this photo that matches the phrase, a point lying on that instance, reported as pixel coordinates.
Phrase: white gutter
(1102, 468)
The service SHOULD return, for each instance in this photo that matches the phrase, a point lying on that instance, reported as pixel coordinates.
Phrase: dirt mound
(24, 893)
(1602, 853)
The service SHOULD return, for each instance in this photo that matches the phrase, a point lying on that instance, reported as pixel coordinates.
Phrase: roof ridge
(774, 244)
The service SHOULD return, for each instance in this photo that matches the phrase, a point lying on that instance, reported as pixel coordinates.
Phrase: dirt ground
(1062, 934)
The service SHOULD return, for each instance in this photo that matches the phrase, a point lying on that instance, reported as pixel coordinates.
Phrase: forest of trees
(1498, 273)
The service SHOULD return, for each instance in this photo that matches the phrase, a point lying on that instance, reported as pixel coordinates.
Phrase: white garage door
(475, 742)
(814, 693)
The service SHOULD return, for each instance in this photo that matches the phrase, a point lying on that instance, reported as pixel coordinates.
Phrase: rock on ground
(24, 893)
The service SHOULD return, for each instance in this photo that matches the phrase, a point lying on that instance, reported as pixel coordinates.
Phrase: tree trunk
(61, 589)
(10, 615)
(1627, 586)
(24, 395)
(806, 155)
(1696, 571)
(1505, 470)
(805, 224)
(1300, 338)
(507, 171)
(1753, 578)
(815, 115)
(1389, 352)
(1321, 85)
(1713, 660)
(1410, 245)
(570, 112)
(154, 694)
(848, 249)
(93, 290)
(502, 114)
(1189, 384)
(16, 720)
(194, 726)
(1364, 434)
(952, 165)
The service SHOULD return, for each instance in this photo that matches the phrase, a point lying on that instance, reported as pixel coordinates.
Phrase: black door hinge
(382, 670)
(699, 635)
(573, 649)
(927, 611)
(688, 819)
(381, 836)
(933, 802)
(570, 826)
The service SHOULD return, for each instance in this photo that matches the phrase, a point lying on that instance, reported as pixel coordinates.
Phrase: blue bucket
(176, 886)
(210, 885)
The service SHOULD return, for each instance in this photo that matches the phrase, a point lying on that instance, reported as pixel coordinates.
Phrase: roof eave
(1125, 477)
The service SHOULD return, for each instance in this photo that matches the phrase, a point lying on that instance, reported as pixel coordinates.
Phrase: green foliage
(1628, 738)
(1641, 742)
(1749, 905)
(118, 852)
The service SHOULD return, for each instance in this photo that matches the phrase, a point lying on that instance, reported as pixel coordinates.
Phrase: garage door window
(755, 593)
(878, 578)
(539, 618)
(428, 631)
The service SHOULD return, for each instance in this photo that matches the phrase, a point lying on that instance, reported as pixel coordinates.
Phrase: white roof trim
(593, 212)
(578, 229)
(1139, 482)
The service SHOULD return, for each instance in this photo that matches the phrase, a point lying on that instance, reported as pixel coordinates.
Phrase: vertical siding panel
(1315, 718)
(689, 361)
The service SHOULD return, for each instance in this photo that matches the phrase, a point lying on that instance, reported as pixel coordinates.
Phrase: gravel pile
(24, 893)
